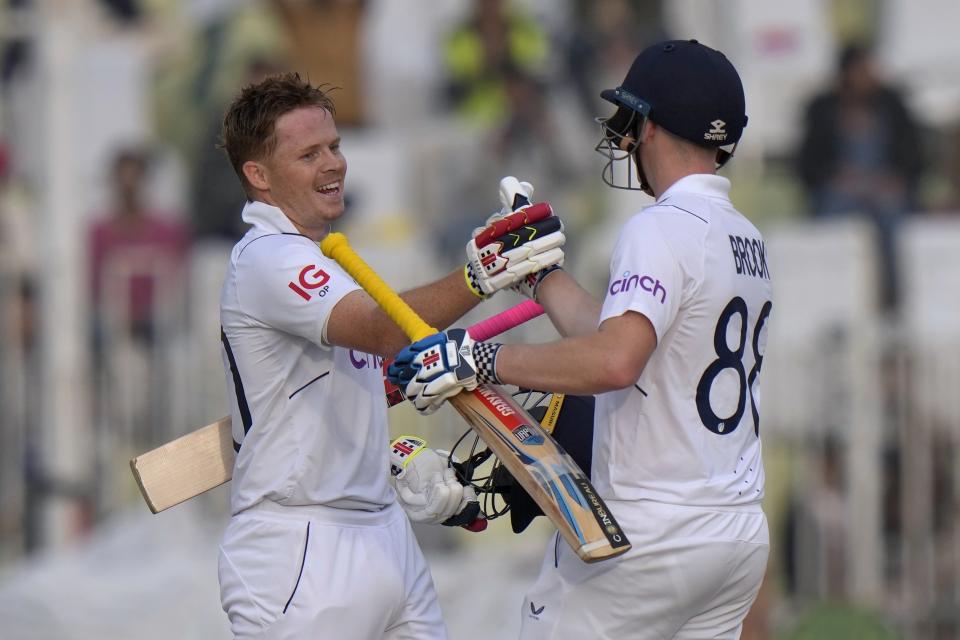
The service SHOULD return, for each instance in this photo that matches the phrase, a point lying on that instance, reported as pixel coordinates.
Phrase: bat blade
(545, 470)
(185, 467)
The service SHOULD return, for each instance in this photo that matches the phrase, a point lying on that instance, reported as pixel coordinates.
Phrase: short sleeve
(645, 275)
(285, 282)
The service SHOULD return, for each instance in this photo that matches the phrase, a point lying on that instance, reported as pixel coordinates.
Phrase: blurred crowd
(513, 90)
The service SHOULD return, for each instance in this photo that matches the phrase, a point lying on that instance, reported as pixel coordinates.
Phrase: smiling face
(303, 175)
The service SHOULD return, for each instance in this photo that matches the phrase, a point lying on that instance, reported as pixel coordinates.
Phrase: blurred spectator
(814, 547)
(216, 201)
(325, 41)
(606, 37)
(528, 138)
(15, 47)
(948, 201)
(495, 64)
(496, 40)
(127, 12)
(861, 154)
(136, 253)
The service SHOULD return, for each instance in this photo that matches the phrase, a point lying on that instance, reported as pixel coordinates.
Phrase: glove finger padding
(514, 195)
(516, 254)
(440, 366)
(401, 370)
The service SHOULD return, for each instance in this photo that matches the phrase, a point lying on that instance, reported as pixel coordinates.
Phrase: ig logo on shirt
(311, 279)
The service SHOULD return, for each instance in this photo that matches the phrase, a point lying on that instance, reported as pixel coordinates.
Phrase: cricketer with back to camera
(673, 354)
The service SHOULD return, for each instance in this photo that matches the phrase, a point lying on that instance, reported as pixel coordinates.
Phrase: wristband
(485, 358)
(472, 283)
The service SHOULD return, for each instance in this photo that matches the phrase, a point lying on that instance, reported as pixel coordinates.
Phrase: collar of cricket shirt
(704, 184)
(268, 217)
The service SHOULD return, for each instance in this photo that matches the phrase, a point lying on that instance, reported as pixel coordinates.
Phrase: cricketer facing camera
(317, 545)
(673, 354)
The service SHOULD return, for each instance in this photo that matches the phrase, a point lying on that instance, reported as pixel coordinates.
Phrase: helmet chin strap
(641, 174)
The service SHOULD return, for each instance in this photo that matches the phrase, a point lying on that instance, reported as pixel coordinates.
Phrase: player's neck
(673, 165)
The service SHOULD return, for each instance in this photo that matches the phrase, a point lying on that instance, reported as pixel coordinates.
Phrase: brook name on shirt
(750, 257)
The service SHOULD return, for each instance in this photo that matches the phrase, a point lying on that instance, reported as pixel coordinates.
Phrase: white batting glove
(442, 365)
(514, 255)
(427, 486)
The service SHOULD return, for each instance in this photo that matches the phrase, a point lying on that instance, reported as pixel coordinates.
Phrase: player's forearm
(440, 304)
(610, 358)
(359, 323)
(573, 311)
(443, 302)
(570, 366)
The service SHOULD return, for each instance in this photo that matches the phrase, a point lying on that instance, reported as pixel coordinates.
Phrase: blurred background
(117, 215)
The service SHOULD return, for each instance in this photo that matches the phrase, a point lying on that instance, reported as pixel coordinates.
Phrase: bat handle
(336, 247)
(505, 320)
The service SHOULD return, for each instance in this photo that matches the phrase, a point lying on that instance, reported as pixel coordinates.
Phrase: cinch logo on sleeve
(311, 279)
(647, 283)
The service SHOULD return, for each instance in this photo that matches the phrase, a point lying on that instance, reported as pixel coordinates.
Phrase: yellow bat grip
(336, 247)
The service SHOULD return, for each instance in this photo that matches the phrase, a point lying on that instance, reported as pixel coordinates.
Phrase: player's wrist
(473, 284)
(485, 362)
(529, 286)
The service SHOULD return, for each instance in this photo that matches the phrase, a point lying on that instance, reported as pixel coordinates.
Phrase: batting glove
(515, 194)
(427, 485)
(442, 365)
(514, 255)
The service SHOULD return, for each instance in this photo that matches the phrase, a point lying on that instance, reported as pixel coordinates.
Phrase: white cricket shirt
(687, 431)
(309, 419)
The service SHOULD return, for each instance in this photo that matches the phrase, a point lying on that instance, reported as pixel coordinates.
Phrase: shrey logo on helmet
(717, 133)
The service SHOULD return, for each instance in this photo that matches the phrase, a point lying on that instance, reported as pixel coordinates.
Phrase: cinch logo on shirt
(311, 279)
(647, 283)
(361, 360)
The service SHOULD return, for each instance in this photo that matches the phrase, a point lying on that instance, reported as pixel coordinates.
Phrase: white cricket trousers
(691, 574)
(317, 572)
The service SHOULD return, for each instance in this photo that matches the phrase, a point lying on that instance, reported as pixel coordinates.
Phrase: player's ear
(647, 130)
(256, 175)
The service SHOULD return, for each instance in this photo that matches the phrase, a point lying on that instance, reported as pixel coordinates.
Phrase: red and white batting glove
(514, 255)
(427, 486)
(515, 194)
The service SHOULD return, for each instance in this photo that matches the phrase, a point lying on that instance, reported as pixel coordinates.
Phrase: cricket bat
(536, 461)
(203, 459)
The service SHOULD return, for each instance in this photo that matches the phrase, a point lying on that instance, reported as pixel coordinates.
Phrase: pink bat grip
(505, 320)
